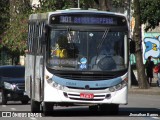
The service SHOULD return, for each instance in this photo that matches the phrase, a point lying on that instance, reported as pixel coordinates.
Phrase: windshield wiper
(101, 42)
(103, 38)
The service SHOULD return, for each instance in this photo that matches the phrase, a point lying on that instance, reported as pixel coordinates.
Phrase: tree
(15, 35)
(3, 18)
(53, 5)
(103, 4)
(142, 80)
(150, 13)
(146, 12)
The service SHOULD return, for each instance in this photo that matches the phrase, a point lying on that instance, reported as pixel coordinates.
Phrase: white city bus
(77, 57)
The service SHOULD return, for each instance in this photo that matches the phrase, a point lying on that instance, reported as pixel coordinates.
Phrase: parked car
(12, 84)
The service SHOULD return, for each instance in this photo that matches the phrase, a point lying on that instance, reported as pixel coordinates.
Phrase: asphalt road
(140, 107)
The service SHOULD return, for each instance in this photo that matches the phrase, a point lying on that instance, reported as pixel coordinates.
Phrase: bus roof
(44, 16)
(89, 10)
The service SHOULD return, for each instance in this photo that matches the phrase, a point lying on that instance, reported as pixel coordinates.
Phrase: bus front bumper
(85, 96)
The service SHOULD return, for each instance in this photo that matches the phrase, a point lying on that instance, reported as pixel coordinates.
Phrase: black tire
(35, 106)
(47, 108)
(4, 98)
(24, 102)
(93, 108)
(109, 109)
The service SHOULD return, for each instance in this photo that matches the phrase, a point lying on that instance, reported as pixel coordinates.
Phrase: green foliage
(52, 5)
(14, 33)
(150, 13)
(3, 15)
(45, 6)
(3, 18)
(118, 3)
(15, 36)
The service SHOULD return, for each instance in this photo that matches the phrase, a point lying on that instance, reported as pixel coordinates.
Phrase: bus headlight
(118, 86)
(52, 83)
(61, 87)
(124, 83)
(55, 84)
(112, 89)
(49, 80)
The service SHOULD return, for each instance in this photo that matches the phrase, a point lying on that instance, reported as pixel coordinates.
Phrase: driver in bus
(60, 49)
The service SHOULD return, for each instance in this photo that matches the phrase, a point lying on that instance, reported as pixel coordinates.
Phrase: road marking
(13, 108)
(156, 118)
(4, 106)
(33, 118)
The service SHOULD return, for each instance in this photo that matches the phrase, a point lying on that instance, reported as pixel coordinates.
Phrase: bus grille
(77, 97)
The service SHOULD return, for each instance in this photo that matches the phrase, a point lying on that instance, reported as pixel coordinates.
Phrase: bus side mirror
(132, 46)
(44, 34)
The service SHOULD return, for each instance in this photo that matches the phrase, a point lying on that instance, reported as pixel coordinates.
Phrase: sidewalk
(150, 91)
(153, 90)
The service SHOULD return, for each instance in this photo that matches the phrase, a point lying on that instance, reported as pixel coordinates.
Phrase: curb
(150, 91)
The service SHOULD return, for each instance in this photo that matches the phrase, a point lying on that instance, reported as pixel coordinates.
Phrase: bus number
(65, 19)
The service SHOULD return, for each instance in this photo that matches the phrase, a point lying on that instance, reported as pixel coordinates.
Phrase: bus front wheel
(35, 106)
(47, 108)
(93, 108)
(111, 109)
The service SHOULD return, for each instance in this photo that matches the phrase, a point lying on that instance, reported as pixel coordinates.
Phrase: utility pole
(78, 4)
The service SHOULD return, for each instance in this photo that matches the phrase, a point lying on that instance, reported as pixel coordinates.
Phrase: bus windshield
(89, 50)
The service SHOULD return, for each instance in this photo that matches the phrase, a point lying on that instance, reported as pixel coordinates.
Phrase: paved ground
(150, 91)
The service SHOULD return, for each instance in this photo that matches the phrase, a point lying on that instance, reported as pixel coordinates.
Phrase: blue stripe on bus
(82, 84)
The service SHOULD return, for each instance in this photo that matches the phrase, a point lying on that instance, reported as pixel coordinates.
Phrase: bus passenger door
(38, 89)
(29, 70)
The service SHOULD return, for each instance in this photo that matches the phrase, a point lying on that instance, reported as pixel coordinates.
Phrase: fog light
(65, 94)
(108, 96)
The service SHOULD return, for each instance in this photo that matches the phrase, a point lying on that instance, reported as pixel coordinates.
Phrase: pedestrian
(158, 75)
(149, 69)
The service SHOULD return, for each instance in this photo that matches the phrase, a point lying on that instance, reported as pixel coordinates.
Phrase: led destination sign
(88, 19)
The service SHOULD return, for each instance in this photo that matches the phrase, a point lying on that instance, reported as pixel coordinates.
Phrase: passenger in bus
(60, 49)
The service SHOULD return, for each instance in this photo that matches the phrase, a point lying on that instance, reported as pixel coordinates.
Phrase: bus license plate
(86, 95)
